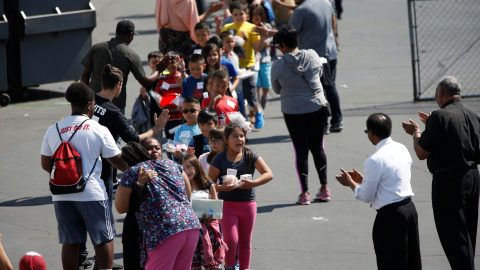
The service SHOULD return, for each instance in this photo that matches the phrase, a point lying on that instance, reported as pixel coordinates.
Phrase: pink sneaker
(323, 195)
(303, 199)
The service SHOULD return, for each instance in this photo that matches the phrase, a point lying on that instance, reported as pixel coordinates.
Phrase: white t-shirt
(91, 141)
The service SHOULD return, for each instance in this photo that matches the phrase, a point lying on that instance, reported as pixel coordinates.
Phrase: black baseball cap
(125, 27)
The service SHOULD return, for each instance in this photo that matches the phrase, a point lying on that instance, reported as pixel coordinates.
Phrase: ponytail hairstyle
(111, 76)
(200, 178)
(218, 134)
(248, 153)
(206, 51)
(134, 153)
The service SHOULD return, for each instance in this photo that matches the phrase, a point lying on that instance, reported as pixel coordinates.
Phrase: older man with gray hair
(450, 143)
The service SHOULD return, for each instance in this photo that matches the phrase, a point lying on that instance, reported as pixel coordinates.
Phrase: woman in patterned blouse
(168, 226)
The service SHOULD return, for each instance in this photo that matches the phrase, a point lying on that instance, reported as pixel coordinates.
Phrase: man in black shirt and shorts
(450, 143)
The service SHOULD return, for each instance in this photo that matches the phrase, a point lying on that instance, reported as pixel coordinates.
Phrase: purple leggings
(237, 228)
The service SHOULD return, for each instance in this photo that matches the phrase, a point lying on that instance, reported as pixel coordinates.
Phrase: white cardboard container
(213, 208)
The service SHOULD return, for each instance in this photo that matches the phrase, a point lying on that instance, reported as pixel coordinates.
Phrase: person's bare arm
(410, 128)
(160, 123)
(147, 80)
(291, 7)
(214, 7)
(263, 31)
(45, 162)
(188, 187)
(334, 27)
(122, 199)
(266, 175)
(118, 162)
(5, 263)
(86, 73)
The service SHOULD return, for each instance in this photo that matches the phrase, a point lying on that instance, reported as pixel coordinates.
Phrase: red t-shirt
(225, 105)
(167, 84)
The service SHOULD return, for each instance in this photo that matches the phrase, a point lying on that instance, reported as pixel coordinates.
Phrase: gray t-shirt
(221, 162)
(313, 21)
(299, 95)
(117, 53)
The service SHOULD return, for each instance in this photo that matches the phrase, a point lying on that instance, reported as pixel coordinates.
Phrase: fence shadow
(27, 201)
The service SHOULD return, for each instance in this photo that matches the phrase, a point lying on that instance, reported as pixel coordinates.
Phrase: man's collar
(383, 142)
(454, 100)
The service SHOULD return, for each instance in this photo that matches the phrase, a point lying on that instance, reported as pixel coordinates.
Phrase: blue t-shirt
(184, 134)
(230, 68)
(192, 87)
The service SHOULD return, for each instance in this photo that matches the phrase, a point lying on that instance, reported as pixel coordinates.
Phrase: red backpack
(66, 173)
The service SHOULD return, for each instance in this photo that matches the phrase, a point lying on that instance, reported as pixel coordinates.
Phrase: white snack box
(213, 208)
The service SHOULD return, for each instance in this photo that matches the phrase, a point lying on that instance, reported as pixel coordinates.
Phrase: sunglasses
(190, 111)
(366, 131)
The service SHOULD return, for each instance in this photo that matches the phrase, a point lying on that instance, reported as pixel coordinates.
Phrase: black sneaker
(336, 128)
(115, 266)
(85, 264)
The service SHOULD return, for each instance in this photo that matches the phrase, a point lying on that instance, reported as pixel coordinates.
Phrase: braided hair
(134, 153)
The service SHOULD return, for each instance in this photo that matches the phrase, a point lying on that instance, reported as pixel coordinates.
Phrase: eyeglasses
(215, 141)
(366, 131)
(190, 111)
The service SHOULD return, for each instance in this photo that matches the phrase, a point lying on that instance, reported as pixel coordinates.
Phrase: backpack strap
(58, 132)
(94, 164)
(75, 130)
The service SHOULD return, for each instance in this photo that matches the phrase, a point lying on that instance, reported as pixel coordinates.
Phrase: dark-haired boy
(185, 132)
(193, 85)
(207, 119)
(202, 33)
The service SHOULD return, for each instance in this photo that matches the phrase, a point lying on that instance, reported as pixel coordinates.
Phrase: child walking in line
(210, 254)
(217, 145)
(239, 206)
(185, 132)
(219, 101)
(264, 81)
(228, 44)
(212, 55)
(207, 119)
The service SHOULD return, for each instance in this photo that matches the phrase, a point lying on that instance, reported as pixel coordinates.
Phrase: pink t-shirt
(179, 15)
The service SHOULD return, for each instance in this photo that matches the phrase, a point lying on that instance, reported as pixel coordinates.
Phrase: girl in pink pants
(239, 206)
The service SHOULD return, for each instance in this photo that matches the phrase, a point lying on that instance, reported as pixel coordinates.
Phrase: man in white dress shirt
(386, 186)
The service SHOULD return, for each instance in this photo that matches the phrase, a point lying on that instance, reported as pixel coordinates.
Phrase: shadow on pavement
(270, 208)
(28, 201)
(273, 139)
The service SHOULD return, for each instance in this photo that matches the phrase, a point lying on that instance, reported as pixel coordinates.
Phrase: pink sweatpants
(174, 253)
(237, 228)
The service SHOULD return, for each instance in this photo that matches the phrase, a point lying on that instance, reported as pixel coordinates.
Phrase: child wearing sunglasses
(185, 133)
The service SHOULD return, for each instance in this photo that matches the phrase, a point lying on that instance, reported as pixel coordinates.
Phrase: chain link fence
(445, 40)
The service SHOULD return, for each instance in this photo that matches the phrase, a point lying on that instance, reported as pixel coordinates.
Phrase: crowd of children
(223, 74)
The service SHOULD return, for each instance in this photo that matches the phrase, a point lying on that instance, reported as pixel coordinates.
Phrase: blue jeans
(332, 96)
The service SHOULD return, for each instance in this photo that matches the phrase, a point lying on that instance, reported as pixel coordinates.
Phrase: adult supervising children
(296, 77)
(386, 186)
(87, 211)
(117, 53)
(451, 146)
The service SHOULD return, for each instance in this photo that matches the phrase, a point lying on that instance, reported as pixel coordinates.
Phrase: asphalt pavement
(374, 75)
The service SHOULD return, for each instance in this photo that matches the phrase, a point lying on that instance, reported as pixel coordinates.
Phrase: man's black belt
(396, 204)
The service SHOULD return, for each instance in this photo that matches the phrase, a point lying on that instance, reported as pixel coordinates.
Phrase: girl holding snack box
(239, 206)
(210, 250)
